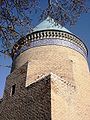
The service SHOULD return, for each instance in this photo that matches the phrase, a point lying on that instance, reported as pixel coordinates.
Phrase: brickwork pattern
(38, 68)
(31, 103)
(42, 99)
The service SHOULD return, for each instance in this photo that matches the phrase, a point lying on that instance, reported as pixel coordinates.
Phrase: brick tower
(50, 78)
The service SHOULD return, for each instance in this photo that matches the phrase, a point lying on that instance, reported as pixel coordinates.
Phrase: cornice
(25, 42)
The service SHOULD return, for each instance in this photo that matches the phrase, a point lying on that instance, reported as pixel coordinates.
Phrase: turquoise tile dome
(49, 24)
(48, 32)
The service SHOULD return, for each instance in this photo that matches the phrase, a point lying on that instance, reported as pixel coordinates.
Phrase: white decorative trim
(53, 37)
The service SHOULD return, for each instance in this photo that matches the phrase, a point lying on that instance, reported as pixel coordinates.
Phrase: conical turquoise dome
(50, 24)
(48, 32)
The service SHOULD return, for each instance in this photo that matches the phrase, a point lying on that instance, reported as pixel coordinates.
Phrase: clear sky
(81, 29)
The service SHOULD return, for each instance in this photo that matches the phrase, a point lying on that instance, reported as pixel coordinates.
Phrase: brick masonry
(31, 103)
(53, 85)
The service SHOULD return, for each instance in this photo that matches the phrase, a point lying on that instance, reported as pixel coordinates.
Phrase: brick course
(31, 103)
(65, 95)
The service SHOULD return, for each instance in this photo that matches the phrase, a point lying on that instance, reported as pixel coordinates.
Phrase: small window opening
(13, 90)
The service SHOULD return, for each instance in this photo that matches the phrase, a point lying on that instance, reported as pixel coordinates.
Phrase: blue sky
(81, 29)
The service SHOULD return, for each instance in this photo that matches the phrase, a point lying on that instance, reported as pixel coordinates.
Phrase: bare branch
(15, 16)
(7, 66)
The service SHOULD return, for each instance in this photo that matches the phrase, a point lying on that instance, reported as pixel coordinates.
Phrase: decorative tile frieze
(66, 39)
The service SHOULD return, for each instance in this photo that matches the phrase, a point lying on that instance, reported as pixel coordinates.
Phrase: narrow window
(13, 90)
